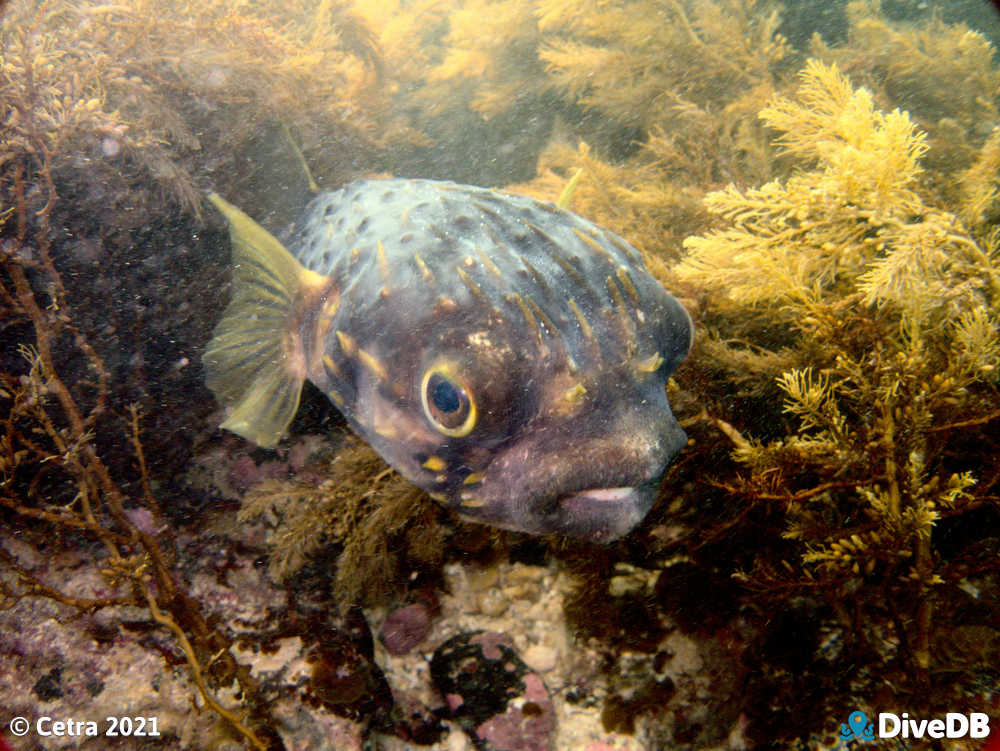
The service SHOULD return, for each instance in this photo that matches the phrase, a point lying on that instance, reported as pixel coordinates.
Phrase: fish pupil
(446, 397)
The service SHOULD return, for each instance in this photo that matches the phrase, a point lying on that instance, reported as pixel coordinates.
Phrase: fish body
(502, 353)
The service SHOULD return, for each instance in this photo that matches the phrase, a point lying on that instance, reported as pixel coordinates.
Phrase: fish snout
(589, 484)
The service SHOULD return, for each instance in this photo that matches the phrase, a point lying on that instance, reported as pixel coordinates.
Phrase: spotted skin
(546, 331)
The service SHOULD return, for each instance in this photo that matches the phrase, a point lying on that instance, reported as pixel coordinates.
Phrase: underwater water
(499, 374)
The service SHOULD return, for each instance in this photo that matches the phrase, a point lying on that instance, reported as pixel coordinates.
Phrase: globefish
(503, 354)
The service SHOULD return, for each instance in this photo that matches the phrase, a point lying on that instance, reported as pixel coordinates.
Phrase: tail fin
(252, 363)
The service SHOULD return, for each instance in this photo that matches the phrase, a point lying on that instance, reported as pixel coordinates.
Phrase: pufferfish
(502, 353)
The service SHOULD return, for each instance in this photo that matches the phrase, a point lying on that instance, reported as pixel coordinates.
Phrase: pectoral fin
(254, 363)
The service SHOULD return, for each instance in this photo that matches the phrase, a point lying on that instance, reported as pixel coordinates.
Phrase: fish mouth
(605, 514)
(600, 495)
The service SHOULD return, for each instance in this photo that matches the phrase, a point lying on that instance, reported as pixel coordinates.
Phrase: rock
(483, 579)
(492, 603)
(405, 628)
(540, 657)
(492, 694)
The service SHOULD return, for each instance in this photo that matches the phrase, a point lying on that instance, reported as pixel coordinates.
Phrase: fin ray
(248, 363)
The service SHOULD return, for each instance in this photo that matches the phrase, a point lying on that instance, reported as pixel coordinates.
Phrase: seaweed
(979, 186)
(116, 118)
(175, 91)
(936, 70)
(53, 406)
(620, 58)
(884, 314)
(941, 73)
(493, 80)
(842, 396)
(694, 124)
(383, 528)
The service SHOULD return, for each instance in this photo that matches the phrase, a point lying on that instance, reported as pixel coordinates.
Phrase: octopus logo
(857, 728)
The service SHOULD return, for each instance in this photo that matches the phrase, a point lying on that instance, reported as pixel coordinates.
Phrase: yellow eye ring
(446, 400)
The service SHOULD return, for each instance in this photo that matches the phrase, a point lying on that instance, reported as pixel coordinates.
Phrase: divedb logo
(890, 725)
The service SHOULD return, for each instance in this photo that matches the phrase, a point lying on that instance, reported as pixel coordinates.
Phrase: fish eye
(447, 402)
(446, 396)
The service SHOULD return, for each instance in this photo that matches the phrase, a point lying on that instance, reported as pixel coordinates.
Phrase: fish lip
(596, 514)
(609, 495)
(617, 494)
(605, 514)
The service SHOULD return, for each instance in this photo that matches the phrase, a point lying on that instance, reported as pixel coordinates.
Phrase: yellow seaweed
(890, 312)
(161, 86)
